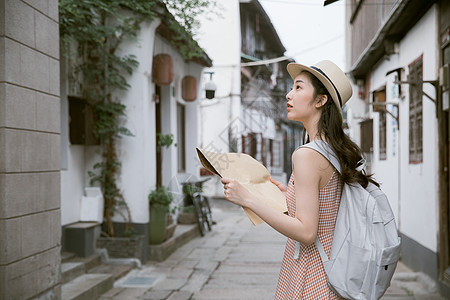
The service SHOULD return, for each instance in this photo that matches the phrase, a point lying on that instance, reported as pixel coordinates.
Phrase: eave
(402, 18)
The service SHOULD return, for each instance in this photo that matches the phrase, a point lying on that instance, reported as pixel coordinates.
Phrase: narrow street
(234, 261)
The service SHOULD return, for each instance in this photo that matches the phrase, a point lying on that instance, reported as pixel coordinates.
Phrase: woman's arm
(303, 227)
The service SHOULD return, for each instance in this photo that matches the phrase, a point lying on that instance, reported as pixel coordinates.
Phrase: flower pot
(157, 224)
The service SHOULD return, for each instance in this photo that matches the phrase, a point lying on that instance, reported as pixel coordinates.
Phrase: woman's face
(300, 105)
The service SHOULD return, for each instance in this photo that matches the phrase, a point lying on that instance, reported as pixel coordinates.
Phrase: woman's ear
(321, 100)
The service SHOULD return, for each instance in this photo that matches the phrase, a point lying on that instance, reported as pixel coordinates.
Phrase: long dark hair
(330, 128)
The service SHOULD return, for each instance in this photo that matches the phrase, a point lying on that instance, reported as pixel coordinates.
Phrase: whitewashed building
(397, 53)
(150, 109)
(246, 115)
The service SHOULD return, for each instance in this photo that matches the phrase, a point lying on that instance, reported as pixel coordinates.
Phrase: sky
(309, 31)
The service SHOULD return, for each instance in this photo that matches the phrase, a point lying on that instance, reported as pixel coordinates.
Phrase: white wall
(138, 152)
(387, 172)
(412, 189)
(419, 202)
(220, 37)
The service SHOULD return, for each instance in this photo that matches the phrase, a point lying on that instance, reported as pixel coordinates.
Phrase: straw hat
(331, 76)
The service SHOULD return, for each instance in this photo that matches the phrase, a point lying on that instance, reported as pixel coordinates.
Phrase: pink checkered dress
(305, 277)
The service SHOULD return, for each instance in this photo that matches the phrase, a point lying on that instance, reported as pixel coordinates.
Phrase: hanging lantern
(189, 88)
(162, 71)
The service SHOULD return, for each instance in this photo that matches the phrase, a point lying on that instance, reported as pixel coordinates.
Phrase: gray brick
(2, 194)
(2, 150)
(37, 232)
(19, 22)
(34, 69)
(53, 11)
(33, 275)
(48, 191)
(2, 51)
(46, 31)
(40, 5)
(20, 107)
(48, 116)
(20, 195)
(10, 240)
(11, 146)
(2, 99)
(34, 150)
(54, 157)
(12, 61)
(29, 151)
(54, 86)
(2, 18)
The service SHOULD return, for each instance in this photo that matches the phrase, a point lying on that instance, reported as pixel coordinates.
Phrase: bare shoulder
(309, 158)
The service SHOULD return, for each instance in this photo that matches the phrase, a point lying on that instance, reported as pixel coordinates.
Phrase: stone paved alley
(234, 261)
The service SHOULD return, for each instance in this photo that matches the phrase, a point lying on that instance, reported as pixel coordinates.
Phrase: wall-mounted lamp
(210, 87)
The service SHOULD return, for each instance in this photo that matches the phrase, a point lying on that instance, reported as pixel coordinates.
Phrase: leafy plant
(164, 140)
(160, 197)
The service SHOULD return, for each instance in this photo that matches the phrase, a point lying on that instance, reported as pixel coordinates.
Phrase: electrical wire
(281, 58)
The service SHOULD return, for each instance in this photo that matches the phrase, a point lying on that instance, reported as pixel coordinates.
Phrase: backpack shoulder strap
(325, 149)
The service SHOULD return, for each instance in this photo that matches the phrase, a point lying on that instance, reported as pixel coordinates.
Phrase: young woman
(314, 189)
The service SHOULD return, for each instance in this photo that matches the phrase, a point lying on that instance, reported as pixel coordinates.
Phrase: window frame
(415, 79)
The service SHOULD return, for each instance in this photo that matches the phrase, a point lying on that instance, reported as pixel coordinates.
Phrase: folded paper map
(249, 173)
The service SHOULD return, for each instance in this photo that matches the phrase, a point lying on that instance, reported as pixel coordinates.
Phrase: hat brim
(295, 69)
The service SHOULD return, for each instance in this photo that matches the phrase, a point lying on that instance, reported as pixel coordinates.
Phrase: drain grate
(139, 281)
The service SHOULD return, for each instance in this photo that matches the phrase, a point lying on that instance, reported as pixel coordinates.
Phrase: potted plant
(159, 201)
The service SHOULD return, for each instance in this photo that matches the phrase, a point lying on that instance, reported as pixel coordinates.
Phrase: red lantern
(162, 71)
(189, 88)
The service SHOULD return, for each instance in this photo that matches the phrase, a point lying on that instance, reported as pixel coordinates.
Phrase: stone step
(183, 234)
(87, 287)
(71, 270)
(89, 262)
(66, 256)
(116, 270)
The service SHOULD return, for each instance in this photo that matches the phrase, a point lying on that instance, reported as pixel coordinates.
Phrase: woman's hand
(235, 192)
(280, 185)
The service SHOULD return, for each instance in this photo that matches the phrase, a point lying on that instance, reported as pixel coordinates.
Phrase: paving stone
(157, 294)
(170, 284)
(236, 261)
(180, 272)
(196, 282)
(234, 293)
(180, 295)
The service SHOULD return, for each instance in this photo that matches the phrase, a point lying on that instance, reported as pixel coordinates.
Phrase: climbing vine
(91, 33)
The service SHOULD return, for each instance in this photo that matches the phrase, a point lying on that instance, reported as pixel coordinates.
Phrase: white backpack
(366, 245)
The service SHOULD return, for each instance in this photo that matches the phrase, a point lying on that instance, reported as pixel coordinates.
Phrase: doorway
(158, 131)
(444, 167)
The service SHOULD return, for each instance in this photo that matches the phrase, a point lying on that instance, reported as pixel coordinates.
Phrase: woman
(314, 189)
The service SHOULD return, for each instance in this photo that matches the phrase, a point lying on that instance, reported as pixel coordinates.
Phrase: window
(81, 122)
(415, 111)
(181, 138)
(249, 144)
(276, 153)
(366, 135)
(382, 135)
(379, 105)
